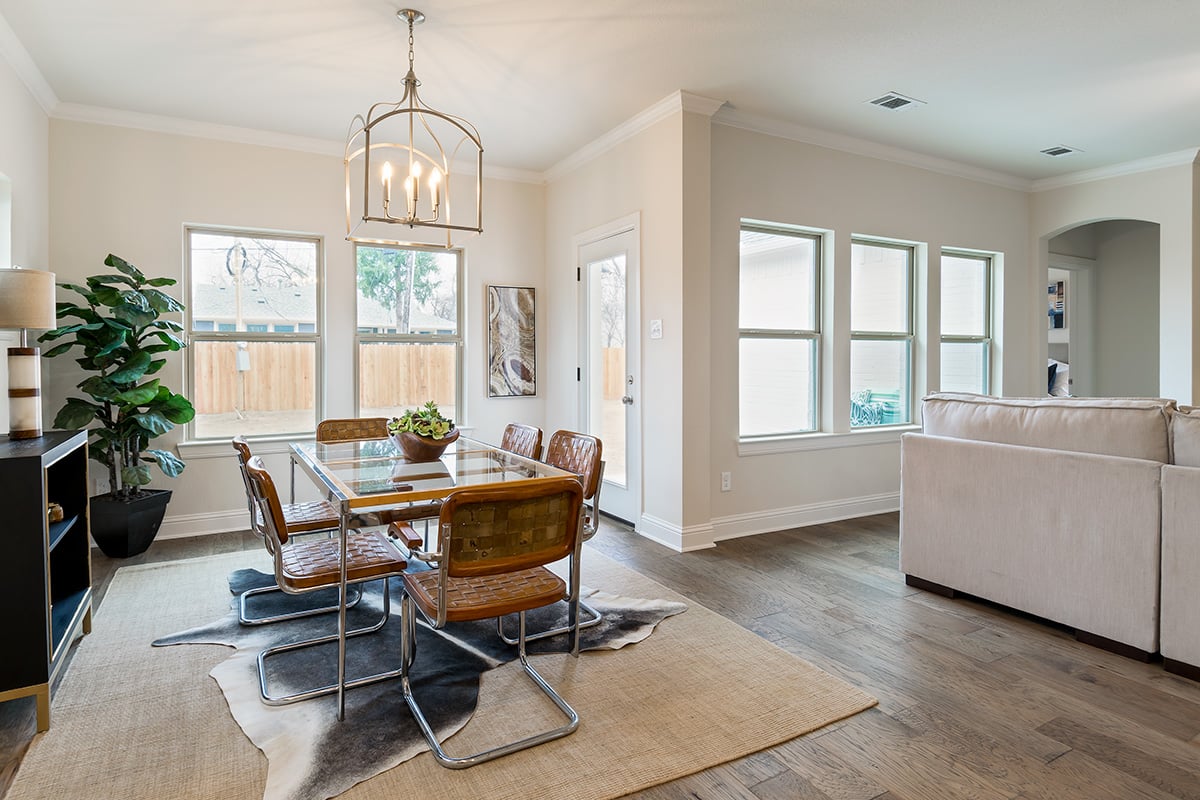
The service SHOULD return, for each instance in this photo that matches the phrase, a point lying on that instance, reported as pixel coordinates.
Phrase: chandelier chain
(410, 43)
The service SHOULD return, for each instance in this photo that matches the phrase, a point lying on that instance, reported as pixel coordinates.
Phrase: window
(881, 333)
(245, 378)
(778, 331)
(409, 340)
(966, 322)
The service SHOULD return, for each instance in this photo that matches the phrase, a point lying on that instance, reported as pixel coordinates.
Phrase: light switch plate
(656, 329)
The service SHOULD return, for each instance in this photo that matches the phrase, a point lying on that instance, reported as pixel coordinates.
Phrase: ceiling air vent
(893, 101)
(1060, 150)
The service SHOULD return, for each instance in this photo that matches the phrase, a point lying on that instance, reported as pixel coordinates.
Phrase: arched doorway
(1107, 274)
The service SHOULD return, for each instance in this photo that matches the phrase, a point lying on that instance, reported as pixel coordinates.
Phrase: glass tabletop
(374, 473)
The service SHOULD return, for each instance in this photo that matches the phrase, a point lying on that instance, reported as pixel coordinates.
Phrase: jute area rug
(140, 723)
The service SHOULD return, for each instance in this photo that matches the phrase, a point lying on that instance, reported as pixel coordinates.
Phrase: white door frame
(628, 224)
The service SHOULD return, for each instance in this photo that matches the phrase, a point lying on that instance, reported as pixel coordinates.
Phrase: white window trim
(909, 338)
(813, 335)
(190, 439)
(457, 339)
(986, 338)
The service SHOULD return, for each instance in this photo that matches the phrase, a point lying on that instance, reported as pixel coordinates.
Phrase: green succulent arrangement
(425, 421)
(123, 341)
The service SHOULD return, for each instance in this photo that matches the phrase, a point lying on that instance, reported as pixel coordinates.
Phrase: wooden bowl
(418, 448)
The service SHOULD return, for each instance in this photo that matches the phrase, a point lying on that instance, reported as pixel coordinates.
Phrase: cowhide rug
(310, 755)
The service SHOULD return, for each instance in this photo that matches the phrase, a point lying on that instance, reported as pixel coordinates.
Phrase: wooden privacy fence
(281, 376)
(614, 372)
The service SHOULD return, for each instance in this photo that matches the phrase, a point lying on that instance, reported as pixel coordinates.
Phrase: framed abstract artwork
(512, 342)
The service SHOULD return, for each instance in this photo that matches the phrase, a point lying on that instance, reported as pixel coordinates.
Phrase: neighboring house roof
(272, 304)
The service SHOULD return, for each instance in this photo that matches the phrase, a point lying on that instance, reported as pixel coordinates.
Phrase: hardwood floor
(974, 701)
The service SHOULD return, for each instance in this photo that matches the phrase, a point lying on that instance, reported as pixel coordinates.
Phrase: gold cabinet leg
(87, 621)
(43, 709)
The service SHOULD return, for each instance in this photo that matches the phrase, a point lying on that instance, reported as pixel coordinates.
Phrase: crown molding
(1176, 159)
(675, 102)
(513, 175)
(26, 68)
(75, 112)
(154, 123)
(864, 147)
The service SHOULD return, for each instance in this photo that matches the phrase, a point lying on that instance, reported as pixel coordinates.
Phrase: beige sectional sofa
(1179, 634)
(1047, 505)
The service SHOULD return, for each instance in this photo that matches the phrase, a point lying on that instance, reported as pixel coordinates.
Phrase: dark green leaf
(140, 396)
(175, 407)
(162, 302)
(134, 369)
(136, 317)
(77, 414)
(155, 366)
(137, 475)
(107, 296)
(161, 282)
(124, 266)
(96, 281)
(168, 324)
(58, 350)
(100, 388)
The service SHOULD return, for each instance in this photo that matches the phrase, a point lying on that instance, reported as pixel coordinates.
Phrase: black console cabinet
(46, 567)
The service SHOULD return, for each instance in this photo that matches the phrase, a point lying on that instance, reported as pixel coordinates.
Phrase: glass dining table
(371, 475)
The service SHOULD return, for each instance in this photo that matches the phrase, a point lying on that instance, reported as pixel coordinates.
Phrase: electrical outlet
(726, 481)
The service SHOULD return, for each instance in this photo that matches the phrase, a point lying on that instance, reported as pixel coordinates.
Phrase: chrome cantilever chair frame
(475, 556)
(591, 524)
(304, 567)
(312, 517)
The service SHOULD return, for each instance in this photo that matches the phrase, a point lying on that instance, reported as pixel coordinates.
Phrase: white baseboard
(676, 537)
(779, 519)
(180, 526)
(679, 539)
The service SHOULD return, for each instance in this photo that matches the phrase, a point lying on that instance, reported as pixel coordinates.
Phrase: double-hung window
(254, 321)
(881, 333)
(966, 322)
(409, 339)
(779, 331)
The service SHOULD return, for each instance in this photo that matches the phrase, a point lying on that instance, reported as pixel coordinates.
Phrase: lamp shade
(27, 299)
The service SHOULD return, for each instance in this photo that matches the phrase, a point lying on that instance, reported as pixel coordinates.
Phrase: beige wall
(24, 160)
(643, 174)
(766, 178)
(24, 199)
(130, 192)
(1163, 196)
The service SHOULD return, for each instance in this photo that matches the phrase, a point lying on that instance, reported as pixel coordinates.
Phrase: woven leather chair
(581, 454)
(308, 566)
(493, 548)
(352, 430)
(524, 440)
(310, 517)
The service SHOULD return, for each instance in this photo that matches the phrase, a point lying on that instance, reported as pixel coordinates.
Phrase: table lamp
(26, 301)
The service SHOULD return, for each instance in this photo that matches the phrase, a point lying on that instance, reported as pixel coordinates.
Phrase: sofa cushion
(1185, 437)
(1128, 427)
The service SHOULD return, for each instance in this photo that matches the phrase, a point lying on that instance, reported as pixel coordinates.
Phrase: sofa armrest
(1180, 627)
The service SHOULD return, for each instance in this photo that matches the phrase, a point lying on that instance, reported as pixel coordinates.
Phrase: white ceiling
(540, 79)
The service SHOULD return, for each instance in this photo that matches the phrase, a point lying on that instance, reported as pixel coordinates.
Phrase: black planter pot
(124, 528)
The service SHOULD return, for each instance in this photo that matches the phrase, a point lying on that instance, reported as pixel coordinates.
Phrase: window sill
(823, 441)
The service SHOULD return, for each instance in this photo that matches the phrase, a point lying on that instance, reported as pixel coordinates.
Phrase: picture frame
(512, 341)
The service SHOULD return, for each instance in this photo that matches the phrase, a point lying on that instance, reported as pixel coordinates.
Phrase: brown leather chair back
(524, 440)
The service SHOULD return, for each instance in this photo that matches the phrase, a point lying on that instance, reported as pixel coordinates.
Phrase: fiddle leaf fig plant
(123, 338)
(426, 421)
